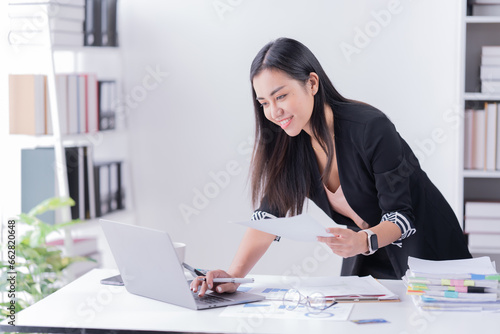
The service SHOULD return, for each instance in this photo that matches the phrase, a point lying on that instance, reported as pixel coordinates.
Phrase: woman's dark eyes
(265, 104)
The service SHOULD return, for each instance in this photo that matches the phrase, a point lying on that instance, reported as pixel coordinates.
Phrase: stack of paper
(455, 285)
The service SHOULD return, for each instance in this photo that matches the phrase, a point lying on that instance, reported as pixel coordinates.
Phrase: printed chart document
(347, 290)
(302, 227)
(276, 310)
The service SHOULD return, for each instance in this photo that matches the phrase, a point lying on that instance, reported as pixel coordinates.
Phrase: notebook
(149, 267)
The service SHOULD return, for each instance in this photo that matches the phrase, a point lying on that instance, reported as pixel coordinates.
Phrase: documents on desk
(346, 290)
(454, 285)
(303, 227)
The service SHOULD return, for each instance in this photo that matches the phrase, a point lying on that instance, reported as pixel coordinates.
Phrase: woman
(348, 158)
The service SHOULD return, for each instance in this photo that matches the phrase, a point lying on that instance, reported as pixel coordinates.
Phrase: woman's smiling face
(285, 101)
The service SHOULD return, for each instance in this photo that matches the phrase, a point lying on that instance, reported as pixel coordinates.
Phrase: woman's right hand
(199, 284)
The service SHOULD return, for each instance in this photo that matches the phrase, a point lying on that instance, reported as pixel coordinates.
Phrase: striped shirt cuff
(404, 224)
(258, 215)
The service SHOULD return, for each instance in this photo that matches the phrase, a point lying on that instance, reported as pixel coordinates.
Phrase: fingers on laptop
(204, 283)
(226, 287)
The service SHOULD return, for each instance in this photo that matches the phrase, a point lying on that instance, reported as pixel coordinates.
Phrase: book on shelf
(484, 240)
(480, 9)
(89, 186)
(46, 23)
(481, 138)
(68, 10)
(468, 133)
(101, 186)
(108, 23)
(85, 104)
(76, 179)
(113, 187)
(57, 38)
(27, 104)
(81, 103)
(72, 106)
(498, 139)
(482, 225)
(112, 22)
(62, 102)
(480, 209)
(107, 104)
(490, 72)
(490, 50)
(82, 111)
(92, 23)
(490, 60)
(109, 188)
(31, 2)
(28, 24)
(38, 180)
(482, 217)
(487, 2)
(100, 23)
(92, 106)
(490, 87)
(491, 135)
(490, 69)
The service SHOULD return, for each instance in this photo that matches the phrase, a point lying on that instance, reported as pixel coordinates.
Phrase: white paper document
(299, 228)
(478, 266)
(346, 287)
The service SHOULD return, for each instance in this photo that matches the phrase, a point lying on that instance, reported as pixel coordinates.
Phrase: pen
(229, 280)
(194, 271)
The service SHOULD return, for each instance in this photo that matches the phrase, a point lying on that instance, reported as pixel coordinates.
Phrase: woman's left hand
(346, 242)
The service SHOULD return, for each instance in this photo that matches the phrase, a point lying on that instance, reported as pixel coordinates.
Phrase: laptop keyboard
(209, 299)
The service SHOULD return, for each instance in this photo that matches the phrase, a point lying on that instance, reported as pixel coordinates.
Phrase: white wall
(198, 118)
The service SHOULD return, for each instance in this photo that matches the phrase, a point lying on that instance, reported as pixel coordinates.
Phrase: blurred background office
(188, 116)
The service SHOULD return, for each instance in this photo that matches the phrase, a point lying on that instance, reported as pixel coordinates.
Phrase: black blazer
(380, 174)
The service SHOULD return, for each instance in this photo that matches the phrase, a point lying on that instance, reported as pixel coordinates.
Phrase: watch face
(374, 242)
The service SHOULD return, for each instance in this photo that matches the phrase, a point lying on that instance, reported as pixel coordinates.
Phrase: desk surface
(86, 304)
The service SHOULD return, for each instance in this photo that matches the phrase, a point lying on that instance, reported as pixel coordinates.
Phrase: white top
(339, 204)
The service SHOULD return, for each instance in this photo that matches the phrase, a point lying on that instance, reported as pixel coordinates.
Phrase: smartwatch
(372, 242)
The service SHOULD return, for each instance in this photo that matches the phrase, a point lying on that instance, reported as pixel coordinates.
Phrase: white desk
(86, 306)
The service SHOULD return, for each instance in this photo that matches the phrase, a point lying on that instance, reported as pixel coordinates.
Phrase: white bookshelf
(479, 185)
(482, 19)
(110, 145)
(481, 97)
(481, 174)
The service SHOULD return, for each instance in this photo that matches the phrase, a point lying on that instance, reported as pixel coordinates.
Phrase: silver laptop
(149, 267)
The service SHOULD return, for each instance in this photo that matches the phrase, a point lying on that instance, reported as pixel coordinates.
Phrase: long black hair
(282, 165)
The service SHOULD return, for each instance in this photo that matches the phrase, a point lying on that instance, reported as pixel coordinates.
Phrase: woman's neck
(329, 121)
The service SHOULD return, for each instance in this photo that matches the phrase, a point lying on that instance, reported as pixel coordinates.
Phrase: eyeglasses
(315, 303)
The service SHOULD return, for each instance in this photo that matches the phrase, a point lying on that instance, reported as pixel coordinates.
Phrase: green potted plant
(39, 268)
